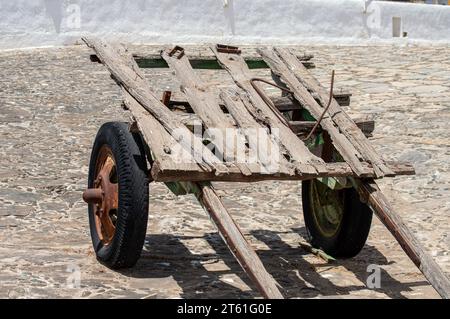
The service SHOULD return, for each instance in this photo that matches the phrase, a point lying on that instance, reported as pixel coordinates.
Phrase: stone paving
(52, 101)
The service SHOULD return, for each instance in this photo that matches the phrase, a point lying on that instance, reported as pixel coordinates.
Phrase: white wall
(25, 23)
(420, 21)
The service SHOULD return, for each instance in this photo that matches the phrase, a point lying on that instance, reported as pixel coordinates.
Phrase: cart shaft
(371, 193)
(237, 243)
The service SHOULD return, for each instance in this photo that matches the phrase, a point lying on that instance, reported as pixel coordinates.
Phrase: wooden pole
(371, 193)
(235, 240)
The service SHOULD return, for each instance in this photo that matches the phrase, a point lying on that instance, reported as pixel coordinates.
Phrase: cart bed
(276, 154)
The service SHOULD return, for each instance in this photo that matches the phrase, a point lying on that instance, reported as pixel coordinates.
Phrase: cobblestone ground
(52, 102)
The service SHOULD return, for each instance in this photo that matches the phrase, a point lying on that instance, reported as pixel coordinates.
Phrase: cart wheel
(117, 195)
(337, 220)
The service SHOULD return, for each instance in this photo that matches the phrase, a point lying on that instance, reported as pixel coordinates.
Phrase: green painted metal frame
(205, 64)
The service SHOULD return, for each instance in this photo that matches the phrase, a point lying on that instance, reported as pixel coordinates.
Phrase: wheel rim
(104, 196)
(327, 208)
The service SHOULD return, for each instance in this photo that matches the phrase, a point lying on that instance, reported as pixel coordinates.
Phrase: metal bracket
(222, 48)
(178, 50)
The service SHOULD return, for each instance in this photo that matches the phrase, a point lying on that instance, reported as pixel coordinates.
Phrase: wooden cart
(238, 135)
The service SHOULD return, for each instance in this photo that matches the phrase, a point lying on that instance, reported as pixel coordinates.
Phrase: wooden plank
(305, 162)
(371, 193)
(134, 82)
(237, 243)
(166, 151)
(340, 169)
(286, 104)
(365, 124)
(268, 151)
(282, 103)
(204, 103)
(161, 143)
(340, 141)
(345, 123)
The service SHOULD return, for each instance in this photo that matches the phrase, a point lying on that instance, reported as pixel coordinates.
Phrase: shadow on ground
(166, 255)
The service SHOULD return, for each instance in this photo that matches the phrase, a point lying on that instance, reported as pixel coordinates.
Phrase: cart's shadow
(287, 264)
(198, 277)
(167, 256)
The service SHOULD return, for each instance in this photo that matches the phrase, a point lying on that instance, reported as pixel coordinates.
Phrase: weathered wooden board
(340, 169)
(264, 145)
(134, 82)
(365, 124)
(295, 75)
(282, 103)
(237, 243)
(305, 162)
(340, 142)
(205, 106)
(165, 160)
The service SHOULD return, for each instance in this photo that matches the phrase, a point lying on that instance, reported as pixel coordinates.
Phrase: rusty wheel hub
(104, 195)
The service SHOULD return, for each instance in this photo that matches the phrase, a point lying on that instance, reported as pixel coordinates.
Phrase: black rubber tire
(132, 214)
(353, 230)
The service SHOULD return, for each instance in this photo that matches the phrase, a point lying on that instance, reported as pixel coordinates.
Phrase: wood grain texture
(340, 142)
(305, 162)
(237, 243)
(340, 169)
(365, 124)
(282, 103)
(337, 114)
(205, 105)
(164, 131)
(161, 143)
(262, 144)
(128, 75)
